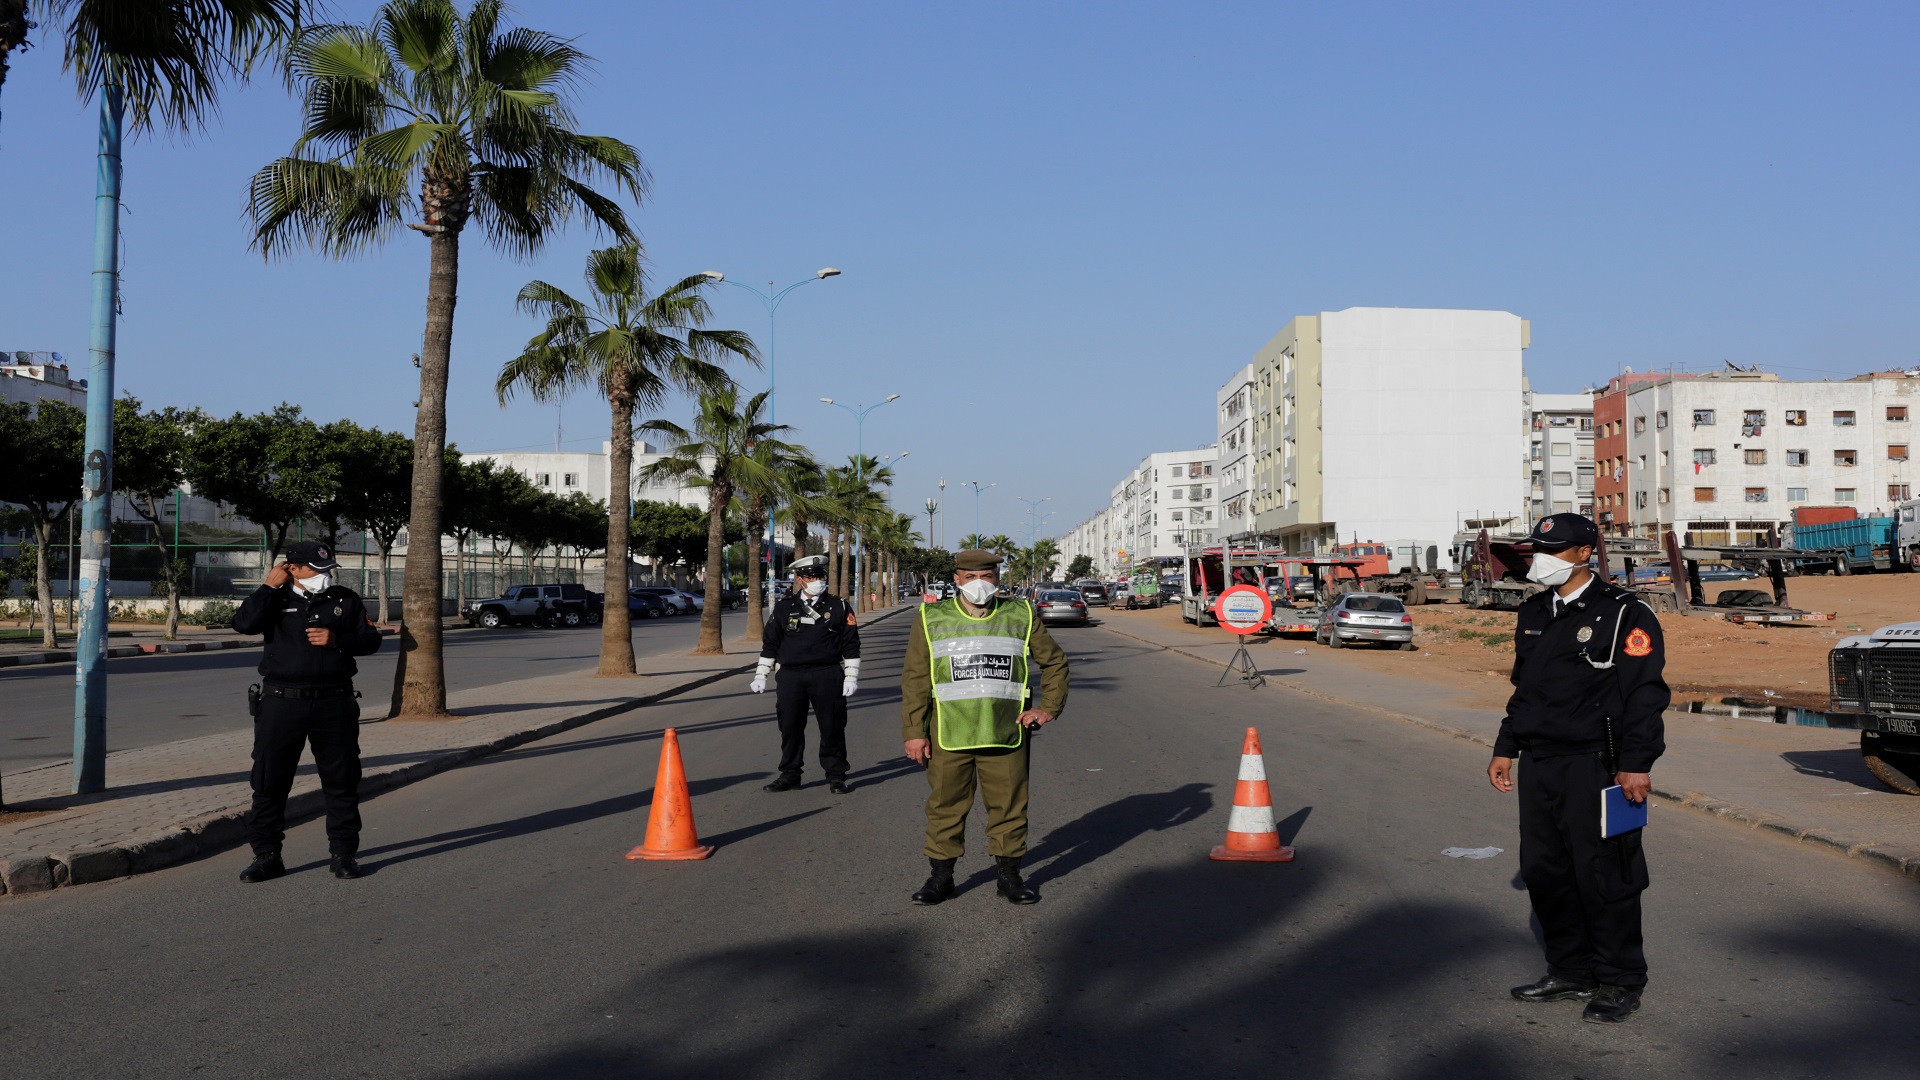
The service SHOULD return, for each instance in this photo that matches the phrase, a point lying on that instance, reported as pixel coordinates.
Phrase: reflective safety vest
(979, 672)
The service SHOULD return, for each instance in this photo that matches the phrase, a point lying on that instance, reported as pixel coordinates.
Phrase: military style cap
(1561, 531)
(976, 559)
(312, 553)
(811, 566)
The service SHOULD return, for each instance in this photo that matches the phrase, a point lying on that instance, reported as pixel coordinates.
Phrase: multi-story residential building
(1385, 424)
(1559, 454)
(1725, 458)
(40, 376)
(1610, 448)
(565, 472)
(1233, 410)
(1090, 538)
(1163, 504)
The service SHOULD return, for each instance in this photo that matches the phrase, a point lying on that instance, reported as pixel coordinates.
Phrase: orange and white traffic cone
(1251, 836)
(670, 831)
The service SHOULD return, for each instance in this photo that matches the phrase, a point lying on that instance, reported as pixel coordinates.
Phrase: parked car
(1061, 606)
(683, 603)
(642, 605)
(939, 590)
(1720, 571)
(1302, 586)
(1094, 593)
(569, 605)
(1366, 617)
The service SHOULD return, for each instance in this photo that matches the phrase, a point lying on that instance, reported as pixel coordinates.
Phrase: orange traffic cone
(1251, 836)
(670, 832)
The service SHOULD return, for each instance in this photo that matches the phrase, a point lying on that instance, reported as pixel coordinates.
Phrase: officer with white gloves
(815, 640)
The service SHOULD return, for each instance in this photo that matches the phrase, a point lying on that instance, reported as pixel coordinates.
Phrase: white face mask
(979, 591)
(814, 587)
(1549, 571)
(315, 585)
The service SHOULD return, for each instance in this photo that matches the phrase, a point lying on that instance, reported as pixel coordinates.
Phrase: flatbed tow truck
(1736, 605)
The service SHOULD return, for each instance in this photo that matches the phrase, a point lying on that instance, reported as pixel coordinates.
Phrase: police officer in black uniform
(816, 641)
(1586, 713)
(314, 629)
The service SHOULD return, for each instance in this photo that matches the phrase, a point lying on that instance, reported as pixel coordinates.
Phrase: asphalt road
(501, 933)
(157, 699)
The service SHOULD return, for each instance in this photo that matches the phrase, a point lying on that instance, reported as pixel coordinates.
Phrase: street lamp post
(860, 454)
(1032, 524)
(770, 299)
(977, 487)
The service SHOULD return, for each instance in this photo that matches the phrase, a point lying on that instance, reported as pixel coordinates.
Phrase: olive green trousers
(1000, 776)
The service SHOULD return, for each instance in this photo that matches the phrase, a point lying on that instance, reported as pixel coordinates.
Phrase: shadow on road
(1843, 766)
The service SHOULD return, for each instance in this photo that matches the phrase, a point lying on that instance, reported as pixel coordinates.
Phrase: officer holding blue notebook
(1588, 695)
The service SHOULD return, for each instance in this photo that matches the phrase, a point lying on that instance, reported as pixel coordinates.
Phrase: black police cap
(314, 553)
(1561, 531)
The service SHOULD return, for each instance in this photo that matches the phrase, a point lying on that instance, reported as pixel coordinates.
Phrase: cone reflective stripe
(670, 831)
(1251, 836)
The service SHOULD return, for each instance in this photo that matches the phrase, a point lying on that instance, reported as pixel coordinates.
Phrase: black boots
(263, 868)
(1011, 885)
(939, 886)
(344, 867)
(1553, 988)
(1612, 1005)
(783, 782)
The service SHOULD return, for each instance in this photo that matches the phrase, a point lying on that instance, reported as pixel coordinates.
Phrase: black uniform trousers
(1585, 889)
(283, 728)
(819, 686)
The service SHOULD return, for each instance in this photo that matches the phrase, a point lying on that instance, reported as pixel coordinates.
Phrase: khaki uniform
(999, 773)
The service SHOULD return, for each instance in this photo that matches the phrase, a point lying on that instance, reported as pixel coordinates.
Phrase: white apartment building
(565, 472)
(1385, 424)
(1092, 538)
(1233, 410)
(40, 376)
(1164, 504)
(1725, 458)
(1558, 469)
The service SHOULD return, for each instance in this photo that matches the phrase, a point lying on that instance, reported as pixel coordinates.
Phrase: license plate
(1900, 725)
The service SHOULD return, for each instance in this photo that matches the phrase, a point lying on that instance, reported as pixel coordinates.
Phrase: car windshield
(1373, 603)
(1059, 597)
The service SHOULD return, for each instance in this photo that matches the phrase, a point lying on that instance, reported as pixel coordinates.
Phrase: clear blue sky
(1064, 225)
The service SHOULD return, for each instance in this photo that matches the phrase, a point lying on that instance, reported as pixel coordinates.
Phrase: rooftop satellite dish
(59, 359)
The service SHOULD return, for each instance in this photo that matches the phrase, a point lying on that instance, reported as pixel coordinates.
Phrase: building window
(1755, 457)
(571, 479)
(1663, 459)
(1796, 457)
(1639, 424)
(1666, 496)
(1586, 423)
(1796, 494)
(1703, 457)
(1756, 494)
(1753, 418)
(544, 479)
(1703, 495)
(1843, 418)
(1179, 515)
(1561, 479)
(1703, 418)
(1896, 451)
(1796, 418)
(1896, 414)
(1845, 495)
(1561, 449)
(1899, 492)
(1847, 458)
(1660, 420)
(1206, 470)
(1179, 493)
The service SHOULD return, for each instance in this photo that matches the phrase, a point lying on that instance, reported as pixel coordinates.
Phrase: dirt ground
(1706, 658)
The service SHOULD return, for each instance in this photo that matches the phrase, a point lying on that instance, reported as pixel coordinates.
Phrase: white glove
(760, 672)
(852, 683)
(848, 687)
(758, 685)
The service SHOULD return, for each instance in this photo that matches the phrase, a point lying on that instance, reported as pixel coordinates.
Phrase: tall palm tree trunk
(756, 521)
(616, 626)
(717, 498)
(420, 677)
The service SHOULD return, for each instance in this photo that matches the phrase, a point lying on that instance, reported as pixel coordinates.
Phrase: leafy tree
(634, 349)
(376, 491)
(43, 445)
(150, 464)
(717, 453)
(669, 534)
(452, 117)
(583, 527)
(779, 464)
(974, 542)
(272, 468)
(1080, 567)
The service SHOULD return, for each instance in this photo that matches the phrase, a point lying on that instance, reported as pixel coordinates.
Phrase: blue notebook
(1617, 815)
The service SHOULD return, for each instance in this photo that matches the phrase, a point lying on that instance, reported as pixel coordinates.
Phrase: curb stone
(67, 656)
(1902, 861)
(215, 832)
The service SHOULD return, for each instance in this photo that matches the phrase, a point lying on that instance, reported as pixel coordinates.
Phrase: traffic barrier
(670, 831)
(1251, 836)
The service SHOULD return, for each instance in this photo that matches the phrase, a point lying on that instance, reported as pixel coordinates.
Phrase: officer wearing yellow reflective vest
(965, 716)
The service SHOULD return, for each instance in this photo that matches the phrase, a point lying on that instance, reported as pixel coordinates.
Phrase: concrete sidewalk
(142, 640)
(1803, 782)
(172, 802)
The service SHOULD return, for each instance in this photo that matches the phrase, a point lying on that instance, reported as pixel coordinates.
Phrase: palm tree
(455, 119)
(633, 349)
(896, 536)
(779, 466)
(804, 506)
(719, 454)
(860, 506)
(974, 542)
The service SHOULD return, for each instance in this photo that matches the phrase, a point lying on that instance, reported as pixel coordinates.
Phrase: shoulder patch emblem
(1585, 634)
(851, 621)
(1638, 643)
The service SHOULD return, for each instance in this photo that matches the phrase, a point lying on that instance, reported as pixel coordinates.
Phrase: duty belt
(309, 693)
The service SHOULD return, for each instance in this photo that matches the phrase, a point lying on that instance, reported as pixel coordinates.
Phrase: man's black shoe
(783, 783)
(1553, 988)
(939, 885)
(1011, 885)
(264, 868)
(1612, 1005)
(839, 787)
(345, 868)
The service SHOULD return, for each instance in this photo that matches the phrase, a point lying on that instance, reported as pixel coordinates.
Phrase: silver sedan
(1366, 617)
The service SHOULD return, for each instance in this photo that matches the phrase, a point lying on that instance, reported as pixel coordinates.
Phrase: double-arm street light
(770, 299)
(859, 452)
(977, 487)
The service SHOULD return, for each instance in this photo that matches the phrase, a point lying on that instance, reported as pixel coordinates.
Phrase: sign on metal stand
(1244, 610)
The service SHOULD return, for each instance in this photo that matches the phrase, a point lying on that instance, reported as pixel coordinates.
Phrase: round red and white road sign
(1243, 609)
